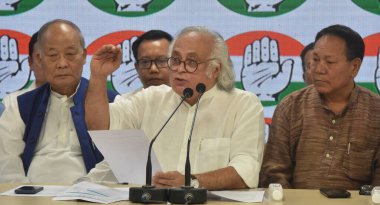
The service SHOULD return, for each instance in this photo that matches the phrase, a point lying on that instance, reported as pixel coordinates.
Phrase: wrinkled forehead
(61, 33)
(193, 44)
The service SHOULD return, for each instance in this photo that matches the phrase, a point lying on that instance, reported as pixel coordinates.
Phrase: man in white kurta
(58, 150)
(227, 130)
(228, 136)
(43, 137)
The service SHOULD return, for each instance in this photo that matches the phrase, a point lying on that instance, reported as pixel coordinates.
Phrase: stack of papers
(94, 193)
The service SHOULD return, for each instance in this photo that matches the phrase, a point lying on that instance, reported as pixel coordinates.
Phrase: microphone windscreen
(188, 92)
(201, 88)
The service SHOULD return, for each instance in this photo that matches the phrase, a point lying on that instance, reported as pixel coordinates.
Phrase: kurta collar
(352, 101)
(64, 97)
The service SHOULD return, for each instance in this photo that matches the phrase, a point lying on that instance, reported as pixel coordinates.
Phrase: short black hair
(32, 42)
(307, 48)
(150, 35)
(354, 42)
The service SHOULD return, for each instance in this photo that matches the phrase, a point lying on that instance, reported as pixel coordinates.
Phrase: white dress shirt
(228, 130)
(57, 156)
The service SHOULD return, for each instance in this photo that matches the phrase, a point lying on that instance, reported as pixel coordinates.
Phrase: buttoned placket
(65, 127)
(333, 131)
(331, 143)
(63, 137)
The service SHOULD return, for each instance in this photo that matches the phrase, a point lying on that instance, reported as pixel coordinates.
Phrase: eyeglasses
(190, 66)
(147, 63)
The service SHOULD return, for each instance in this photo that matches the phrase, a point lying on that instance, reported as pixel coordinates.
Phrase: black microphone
(149, 193)
(188, 194)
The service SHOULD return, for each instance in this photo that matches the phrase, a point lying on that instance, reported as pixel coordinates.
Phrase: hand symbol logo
(14, 74)
(377, 72)
(125, 79)
(262, 72)
(263, 5)
(8, 5)
(132, 5)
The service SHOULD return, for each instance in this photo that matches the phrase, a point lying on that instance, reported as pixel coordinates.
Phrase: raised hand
(131, 5)
(105, 60)
(14, 74)
(125, 79)
(263, 5)
(262, 72)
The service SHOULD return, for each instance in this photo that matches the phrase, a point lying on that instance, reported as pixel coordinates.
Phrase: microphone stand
(188, 194)
(149, 193)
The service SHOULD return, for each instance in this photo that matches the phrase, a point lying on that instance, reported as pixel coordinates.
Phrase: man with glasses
(151, 52)
(228, 137)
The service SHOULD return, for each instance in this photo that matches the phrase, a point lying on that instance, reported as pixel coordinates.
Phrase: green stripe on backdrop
(299, 85)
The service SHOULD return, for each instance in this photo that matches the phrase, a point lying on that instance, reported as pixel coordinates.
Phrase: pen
(348, 148)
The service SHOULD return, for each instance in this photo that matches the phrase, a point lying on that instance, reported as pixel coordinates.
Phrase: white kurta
(228, 130)
(57, 157)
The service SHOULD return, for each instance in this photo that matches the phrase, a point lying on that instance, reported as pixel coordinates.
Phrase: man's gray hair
(44, 28)
(226, 78)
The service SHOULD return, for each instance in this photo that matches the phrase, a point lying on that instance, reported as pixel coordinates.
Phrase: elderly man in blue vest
(43, 135)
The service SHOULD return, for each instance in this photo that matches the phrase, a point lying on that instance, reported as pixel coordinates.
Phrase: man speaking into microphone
(228, 137)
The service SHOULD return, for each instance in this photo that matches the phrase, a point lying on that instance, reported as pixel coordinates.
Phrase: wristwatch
(194, 181)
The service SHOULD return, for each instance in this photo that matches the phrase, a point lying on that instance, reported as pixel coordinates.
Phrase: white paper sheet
(242, 196)
(126, 152)
(47, 191)
(88, 191)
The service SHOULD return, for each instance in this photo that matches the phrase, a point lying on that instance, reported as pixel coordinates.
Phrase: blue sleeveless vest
(32, 106)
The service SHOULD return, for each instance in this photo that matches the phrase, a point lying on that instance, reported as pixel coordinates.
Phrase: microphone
(149, 193)
(188, 194)
(201, 88)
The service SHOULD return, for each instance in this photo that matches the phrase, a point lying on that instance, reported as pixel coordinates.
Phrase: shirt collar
(352, 101)
(210, 93)
(33, 85)
(64, 97)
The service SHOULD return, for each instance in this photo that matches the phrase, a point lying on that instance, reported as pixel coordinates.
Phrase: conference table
(291, 197)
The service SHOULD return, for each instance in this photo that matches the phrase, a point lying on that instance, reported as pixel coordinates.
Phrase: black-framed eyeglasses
(190, 66)
(147, 63)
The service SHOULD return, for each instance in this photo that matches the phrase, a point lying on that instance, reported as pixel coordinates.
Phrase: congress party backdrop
(252, 29)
